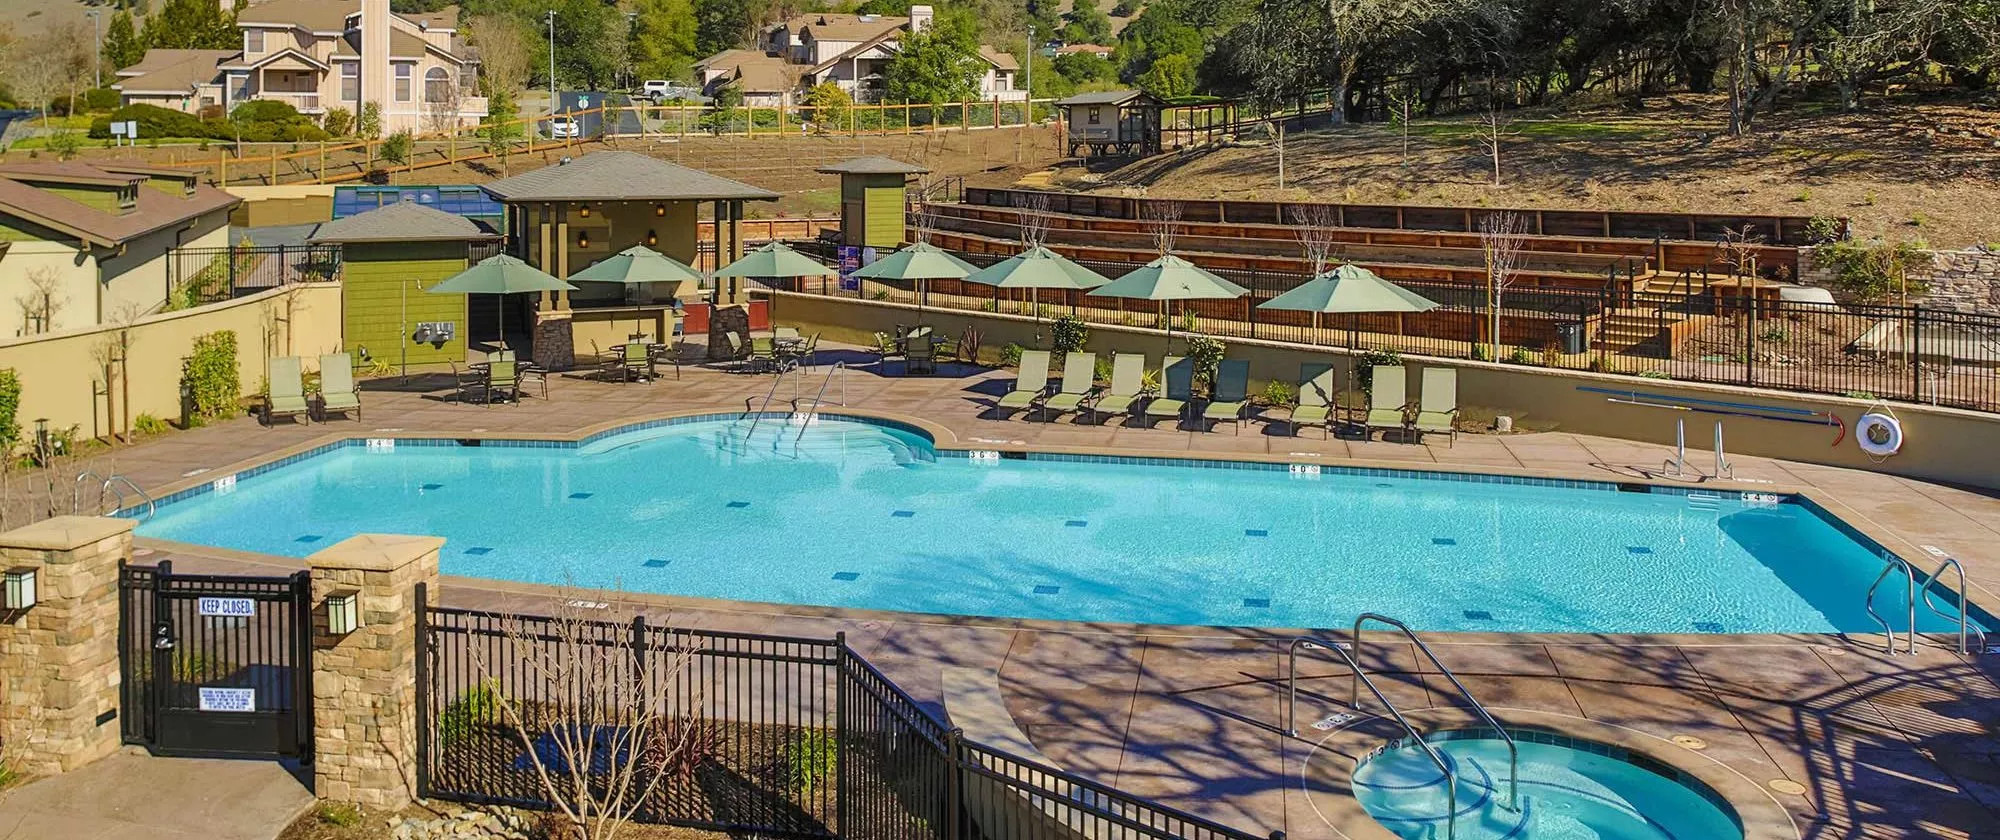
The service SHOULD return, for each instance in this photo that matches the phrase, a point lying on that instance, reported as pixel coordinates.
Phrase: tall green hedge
(10, 410)
(210, 373)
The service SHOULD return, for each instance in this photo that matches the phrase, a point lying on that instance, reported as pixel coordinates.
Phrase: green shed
(389, 257)
(872, 195)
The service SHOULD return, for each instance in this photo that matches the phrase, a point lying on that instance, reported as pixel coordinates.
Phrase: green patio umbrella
(918, 263)
(773, 261)
(639, 265)
(1170, 278)
(500, 274)
(1038, 268)
(1349, 289)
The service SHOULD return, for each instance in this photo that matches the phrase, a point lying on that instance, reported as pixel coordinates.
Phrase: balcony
(307, 102)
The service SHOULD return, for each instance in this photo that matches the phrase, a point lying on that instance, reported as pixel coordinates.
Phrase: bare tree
(923, 219)
(1503, 236)
(590, 701)
(504, 52)
(1317, 228)
(1494, 125)
(40, 305)
(441, 112)
(1034, 216)
(1163, 219)
(1402, 101)
(36, 83)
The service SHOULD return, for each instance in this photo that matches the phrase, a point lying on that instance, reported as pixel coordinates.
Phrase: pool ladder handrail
(1965, 626)
(838, 367)
(758, 416)
(110, 486)
(1292, 714)
(1891, 562)
(1513, 750)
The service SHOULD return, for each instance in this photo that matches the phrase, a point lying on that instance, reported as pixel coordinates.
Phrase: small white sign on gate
(228, 699)
(230, 607)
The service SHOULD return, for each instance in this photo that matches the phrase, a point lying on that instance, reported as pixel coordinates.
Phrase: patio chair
(527, 373)
(1316, 396)
(336, 386)
(763, 354)
(1029, 383)
(809, 354)
(1079, 380)
(1230, 398)
(668, 352)
(1388, 407)
(502, 376)
(1177, 375)
(1437, 406)
(885, 346)
(287, 395)
(637, 363)
(1128, 374)
(920, 354)
(784, 332)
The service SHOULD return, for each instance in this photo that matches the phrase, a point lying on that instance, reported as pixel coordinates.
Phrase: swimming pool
(866, 514)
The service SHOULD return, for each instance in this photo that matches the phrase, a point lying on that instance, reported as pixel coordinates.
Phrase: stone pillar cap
(66, 533)
(374, 552)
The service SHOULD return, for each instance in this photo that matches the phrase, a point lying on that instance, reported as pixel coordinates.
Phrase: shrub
(1773, 335)
(1101, 372)
(1276, 392)
(1010, 355)
(10, 409)
(147, 424)
(369, 123)
(810, 759)
(65, 143)
(1068, 334)
(1552, 355)
(396, 149)
(1822, 229)
(1519, 356)
(1364, 373)
(681, 746)
(1873, 270)
(470, 710)
(830, 106)
(880, 294)
(154, 121)
(209, 372)
(338, 122)
(1205, 352)
(1479, 352)
(342, 814)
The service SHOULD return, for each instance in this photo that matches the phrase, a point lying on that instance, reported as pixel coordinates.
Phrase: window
(403, 77)
(1093, 115)
(128, 198)
(253, 40)
(437, 85)
(350, 80)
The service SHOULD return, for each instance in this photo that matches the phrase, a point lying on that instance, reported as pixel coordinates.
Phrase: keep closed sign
(230, 607)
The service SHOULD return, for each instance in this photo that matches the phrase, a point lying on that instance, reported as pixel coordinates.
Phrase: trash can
(1572, 336)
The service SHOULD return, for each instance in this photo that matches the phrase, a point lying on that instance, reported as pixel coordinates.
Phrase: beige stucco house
(85, 244)
(852, 51)
(324, 54)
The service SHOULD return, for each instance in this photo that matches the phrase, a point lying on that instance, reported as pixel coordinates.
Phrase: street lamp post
(553, 103)
(97, 31)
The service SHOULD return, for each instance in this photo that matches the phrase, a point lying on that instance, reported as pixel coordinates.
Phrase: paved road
(623, 122)
(134, 796)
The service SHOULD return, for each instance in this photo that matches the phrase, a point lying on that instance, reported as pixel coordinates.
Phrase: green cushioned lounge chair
(1128, 383)
(1177, 375)
(1437, 406)
(1231, 400)
(336, 386)
(1388, 406)
(1031, 381)
(1316, 395)
(287, 397)
(1079, 377)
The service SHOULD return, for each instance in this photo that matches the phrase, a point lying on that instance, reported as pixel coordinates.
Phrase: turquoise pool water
(862, 515)
(1565, 794)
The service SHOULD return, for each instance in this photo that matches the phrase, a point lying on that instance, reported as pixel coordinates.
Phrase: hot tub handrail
(1513, 750)
(1891, 562)
(1965, 626)
(1292, 715)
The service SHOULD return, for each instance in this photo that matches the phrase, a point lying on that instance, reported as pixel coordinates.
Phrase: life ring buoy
(1879, 435)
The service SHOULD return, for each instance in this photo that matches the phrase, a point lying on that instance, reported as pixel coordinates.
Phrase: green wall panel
(383, 287)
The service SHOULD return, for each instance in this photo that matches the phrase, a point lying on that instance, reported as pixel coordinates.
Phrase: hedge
(267, 122)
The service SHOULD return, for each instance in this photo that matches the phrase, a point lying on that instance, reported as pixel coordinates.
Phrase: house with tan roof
(850, 50)
(317, 55)
(81, 244)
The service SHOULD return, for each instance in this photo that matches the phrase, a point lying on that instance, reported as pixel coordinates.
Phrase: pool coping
(945, 442)
(1757, 809)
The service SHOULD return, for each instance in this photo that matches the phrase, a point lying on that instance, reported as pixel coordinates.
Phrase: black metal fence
(197, 276)
(1908, 353)
(780, 736)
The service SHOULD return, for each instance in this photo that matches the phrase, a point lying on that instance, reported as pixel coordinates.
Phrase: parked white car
(564, 126)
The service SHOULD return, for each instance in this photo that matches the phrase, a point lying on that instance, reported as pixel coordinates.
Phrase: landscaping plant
(1068, 334)
(209, 372)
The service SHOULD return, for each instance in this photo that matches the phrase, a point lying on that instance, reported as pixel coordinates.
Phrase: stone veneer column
(59, 659)
(365, 683)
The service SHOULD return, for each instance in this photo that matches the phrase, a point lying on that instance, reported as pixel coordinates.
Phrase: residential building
(83, 244)
(1099, 50)
(322, 54)
(852, 51)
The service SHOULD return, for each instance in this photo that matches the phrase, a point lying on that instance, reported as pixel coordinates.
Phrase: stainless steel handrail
(768, 396)
(1292, 714)
(838, 367)
(1513, 750)
(1965, 625)
(119, 479)
(1889, 564)
(76, 492)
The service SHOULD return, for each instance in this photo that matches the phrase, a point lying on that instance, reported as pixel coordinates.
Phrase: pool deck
(1892, 747)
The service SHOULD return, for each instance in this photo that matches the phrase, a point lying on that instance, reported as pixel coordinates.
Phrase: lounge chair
(1177, 374)
(287, 395)
(502, 376)
(1231, 394)
(1316, 396)
(1029, 383)
(336, 386)
(1079, 379)
(1437, 406)
(1388, 407)
(920, 354)
(1128, 374)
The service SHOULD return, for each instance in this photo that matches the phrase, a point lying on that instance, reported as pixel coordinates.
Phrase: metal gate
(216, 665)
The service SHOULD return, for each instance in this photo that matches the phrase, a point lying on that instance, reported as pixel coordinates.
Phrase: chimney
(375, 79)
(920, 18)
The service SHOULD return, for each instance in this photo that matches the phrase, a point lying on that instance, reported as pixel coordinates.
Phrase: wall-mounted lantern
(583, 210)
(343, 613)
(659, 210)
(583, 239)
(652, 238)
(20, 589)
